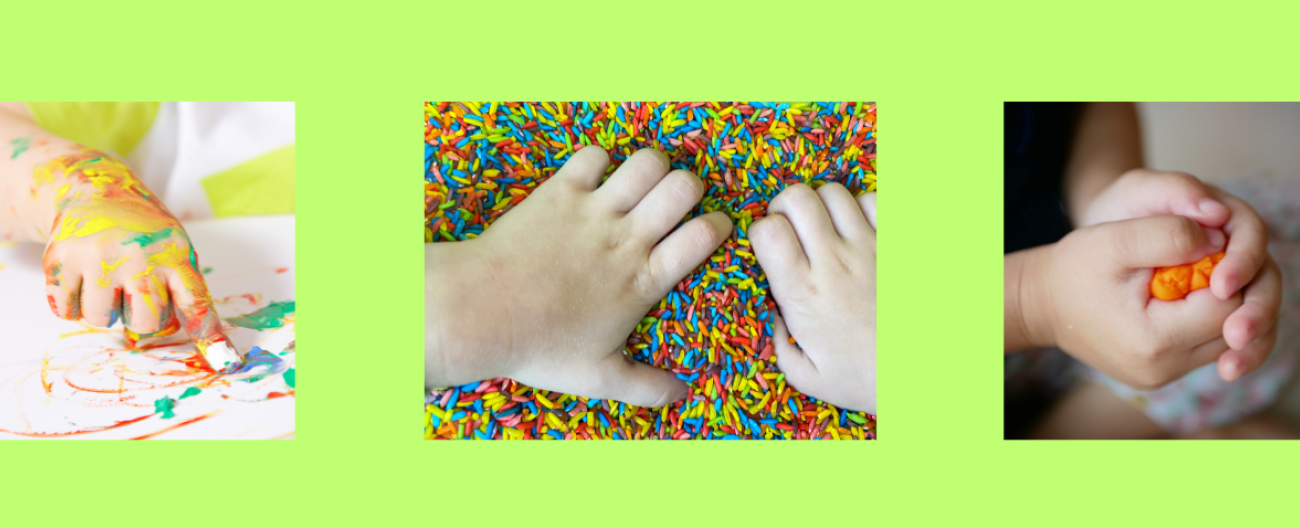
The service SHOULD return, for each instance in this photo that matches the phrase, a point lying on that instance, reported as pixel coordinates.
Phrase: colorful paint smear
(264, 319)
(20, 145)
(91, 384)
(714, 329)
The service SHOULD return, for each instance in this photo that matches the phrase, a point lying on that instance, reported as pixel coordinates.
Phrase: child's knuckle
(700, 234)
(685, 185)
(1178, 178)
(643, 284)
(800, 193)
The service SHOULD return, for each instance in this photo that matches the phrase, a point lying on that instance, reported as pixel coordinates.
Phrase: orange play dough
(1175, 282)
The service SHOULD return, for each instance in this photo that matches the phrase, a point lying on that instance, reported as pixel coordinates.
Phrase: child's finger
(666, 204)
(119, 311)
(98, 302)
(170, 325)
(584, 169)
(1258, 312)
(846, 214)
(1195, 319)
(798, 369)
(1156, 241)
(633, 180)
(146, 305)
(619, 377)
(1234, 364)
(801, 205)
(198, 316)
(1246, 252)
(683, 250)
(868, 203)
(1205, 353)
(777, 249)
(63, 290)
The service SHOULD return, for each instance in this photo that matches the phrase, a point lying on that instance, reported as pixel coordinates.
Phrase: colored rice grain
(714, 329)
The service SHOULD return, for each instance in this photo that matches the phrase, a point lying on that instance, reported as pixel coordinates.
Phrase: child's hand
(550, 292)
(818, 249)
(1090, 295)
(115, 253)
(1251, 330)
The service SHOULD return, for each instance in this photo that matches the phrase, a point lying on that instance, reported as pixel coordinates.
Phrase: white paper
(59, 377)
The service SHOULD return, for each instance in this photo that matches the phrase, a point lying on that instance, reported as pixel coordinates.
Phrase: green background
(359, 73)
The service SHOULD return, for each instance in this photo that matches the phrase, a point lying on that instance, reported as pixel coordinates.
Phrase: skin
(1090, 295)
(609, 253)
(818, 249)
(1250, 331)
(1105, 183)
(113, 251)
(1107, 189)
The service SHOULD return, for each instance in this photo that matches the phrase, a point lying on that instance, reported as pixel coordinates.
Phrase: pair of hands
(549, 294)
(1089, 293)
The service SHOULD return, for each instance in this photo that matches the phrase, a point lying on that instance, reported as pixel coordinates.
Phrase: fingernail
(1216, 237)
(1209, 206)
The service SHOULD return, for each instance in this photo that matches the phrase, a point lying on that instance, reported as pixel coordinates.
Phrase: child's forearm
(1025, 321)
(1107, 143)
(28, 203)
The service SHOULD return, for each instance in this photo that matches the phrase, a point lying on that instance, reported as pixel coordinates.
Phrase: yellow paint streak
(117, 200)
(137, 216)
(103, 281)
(161, 291)
(146, 271)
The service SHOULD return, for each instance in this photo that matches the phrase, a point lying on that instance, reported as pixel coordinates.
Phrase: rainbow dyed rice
(714, 329)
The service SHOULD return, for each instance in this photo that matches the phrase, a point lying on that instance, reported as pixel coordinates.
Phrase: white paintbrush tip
(222, 357)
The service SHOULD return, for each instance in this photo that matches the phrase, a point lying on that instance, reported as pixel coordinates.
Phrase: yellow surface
(261, 186)
(115, 127)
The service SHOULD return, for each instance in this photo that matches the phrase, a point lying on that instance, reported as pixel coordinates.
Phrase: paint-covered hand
(550, 292)
(818, 249)
(1246, 266)
(115, 253)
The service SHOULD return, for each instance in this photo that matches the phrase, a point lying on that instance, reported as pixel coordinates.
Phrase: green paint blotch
(20, 145)
(144, 239)
(192, 391)
(164, 405)
(271, 316)
(290, 377)
(207, 271)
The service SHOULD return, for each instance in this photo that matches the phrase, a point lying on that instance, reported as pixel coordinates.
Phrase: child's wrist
(454, 321)
(1027, 300)
(436, 313)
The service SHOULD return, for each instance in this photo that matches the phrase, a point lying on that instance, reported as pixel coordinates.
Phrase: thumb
(800, 370)
(624, 379)
(1160, 241)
